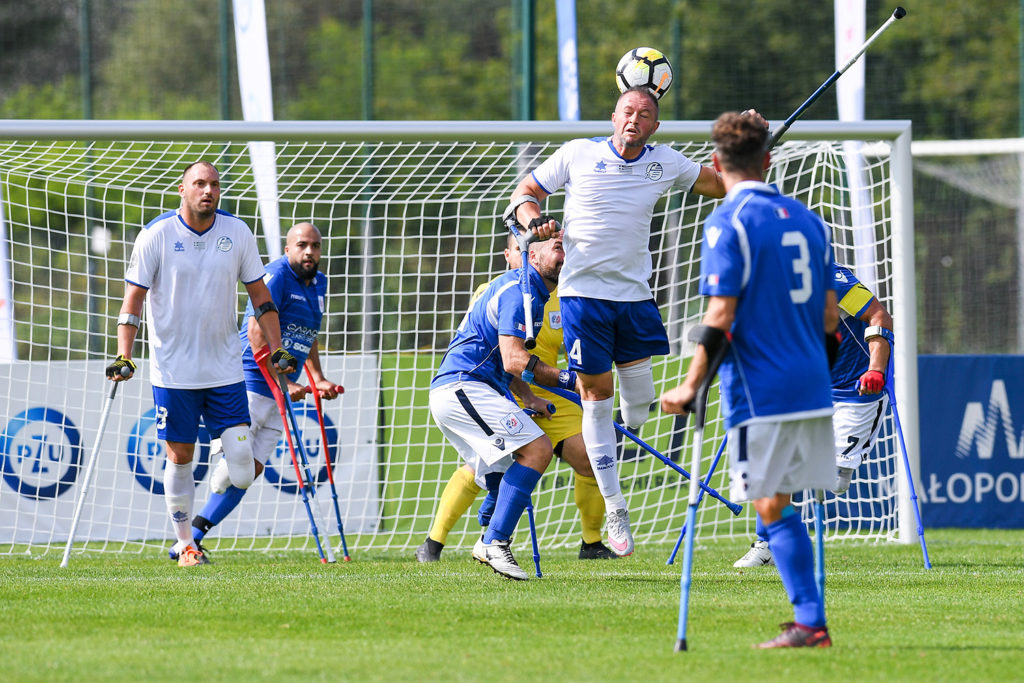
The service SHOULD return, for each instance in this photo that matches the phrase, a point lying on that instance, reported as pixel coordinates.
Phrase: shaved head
(302, 247)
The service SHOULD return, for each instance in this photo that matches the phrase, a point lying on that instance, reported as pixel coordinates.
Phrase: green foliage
(284, 616)
(57, 100)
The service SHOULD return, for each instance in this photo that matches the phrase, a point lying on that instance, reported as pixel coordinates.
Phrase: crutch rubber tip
(323, 560)
(900, 13)
(681, 645)
(531, 344)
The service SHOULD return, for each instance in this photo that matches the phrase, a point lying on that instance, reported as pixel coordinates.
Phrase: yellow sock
(458, 495)
(591, 504)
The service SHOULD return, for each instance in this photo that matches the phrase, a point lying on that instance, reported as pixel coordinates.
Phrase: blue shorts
(178, 411)
(599, 332)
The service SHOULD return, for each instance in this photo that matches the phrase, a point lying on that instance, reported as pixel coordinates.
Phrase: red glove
(871, 382)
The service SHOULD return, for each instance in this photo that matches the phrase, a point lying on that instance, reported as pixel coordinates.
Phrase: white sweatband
(636, 393)
(516, 202)
(129, 319)
(878, 331)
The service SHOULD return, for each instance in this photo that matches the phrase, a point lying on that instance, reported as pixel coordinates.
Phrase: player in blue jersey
(299, 291)
(186, 266)
(858, 396)
(767, 268)
(609, 314)
(470, 404)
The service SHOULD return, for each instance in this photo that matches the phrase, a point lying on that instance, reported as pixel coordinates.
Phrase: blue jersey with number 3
(774, 255)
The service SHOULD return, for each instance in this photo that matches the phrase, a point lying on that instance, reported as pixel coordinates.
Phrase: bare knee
(536, 455)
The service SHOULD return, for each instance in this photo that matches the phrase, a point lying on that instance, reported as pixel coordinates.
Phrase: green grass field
(280, 616)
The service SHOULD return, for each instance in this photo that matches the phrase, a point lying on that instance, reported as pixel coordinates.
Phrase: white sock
(180, 495)
(636, 393)
(238, 455)
(599, 437)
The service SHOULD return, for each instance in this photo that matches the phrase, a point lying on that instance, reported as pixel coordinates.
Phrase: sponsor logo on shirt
(841, 276)
(654, 171)
(178, 246)
(224, 244)
(512, 424)
(298, 297)
(600, 167)
(713, 233)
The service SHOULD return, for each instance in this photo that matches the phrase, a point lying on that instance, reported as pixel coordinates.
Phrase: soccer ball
(644, 66)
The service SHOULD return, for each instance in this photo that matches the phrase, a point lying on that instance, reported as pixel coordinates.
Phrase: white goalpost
(411, 221)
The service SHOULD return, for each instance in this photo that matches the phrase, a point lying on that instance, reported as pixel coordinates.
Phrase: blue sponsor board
(972, 441)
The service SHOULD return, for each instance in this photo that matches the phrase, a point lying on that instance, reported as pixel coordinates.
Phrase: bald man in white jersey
(187, 264)
(609, 316)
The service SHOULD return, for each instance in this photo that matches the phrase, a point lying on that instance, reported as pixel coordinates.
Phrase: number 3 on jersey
(801, 266)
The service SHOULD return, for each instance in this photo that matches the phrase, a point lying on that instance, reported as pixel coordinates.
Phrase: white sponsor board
(48, 428)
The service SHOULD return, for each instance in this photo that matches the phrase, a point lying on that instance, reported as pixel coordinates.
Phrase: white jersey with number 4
(609, 204)
(192, 311)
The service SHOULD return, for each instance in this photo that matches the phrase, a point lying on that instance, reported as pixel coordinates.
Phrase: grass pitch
(284, 616)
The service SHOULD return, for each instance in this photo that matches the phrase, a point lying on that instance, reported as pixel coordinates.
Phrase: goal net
(410, 221)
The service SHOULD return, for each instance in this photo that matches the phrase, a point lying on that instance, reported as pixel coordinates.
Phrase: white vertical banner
(8, 342)
(258, 105)
(849, 20)
(568, 71)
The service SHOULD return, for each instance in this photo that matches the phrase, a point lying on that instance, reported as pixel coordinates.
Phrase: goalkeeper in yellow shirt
(564, 430)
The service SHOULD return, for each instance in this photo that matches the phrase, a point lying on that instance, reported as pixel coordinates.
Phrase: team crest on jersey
(713, 233)
(224, 244)
(555, 320)
(654, 171)
(781, 212)
(841, 276)
(512, 424)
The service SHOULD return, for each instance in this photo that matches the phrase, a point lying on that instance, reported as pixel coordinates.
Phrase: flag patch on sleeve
(781, 212)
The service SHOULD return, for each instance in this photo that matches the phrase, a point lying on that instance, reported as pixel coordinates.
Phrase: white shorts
(766, 458)
(265, 430)
(484, 427)
(856, 426)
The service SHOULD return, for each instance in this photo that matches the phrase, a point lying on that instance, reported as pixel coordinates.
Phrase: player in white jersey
(187, 265)
(609, 315)
(767, 270)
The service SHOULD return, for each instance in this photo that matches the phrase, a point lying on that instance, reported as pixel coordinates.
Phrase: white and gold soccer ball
(644, 66)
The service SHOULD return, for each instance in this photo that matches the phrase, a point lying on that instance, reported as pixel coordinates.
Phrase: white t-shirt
(609, 203)
(192, 310)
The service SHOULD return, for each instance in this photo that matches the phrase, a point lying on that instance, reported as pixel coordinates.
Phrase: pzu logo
(40, 453)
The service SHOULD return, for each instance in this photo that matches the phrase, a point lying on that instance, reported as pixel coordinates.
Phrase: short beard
(306, 272)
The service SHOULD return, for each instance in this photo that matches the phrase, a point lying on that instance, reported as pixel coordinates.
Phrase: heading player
(609, 314)
(187, 264)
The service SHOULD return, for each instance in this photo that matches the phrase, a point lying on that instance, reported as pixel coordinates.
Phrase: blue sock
(216, 509)
(760, 529)
(794, 557)
(493, 480)
(513, 496)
